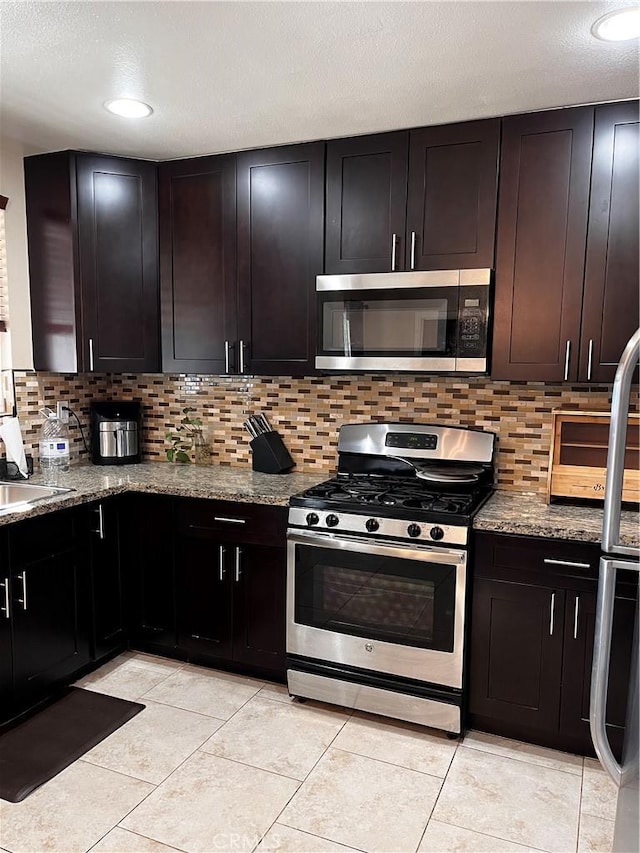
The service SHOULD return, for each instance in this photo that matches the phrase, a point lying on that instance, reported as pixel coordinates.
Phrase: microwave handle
(346, 332)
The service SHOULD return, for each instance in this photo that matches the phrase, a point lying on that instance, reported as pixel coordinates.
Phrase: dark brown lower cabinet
(109, 620)
(531, 641)
(147, 544)
(231, 580)
(46, 609)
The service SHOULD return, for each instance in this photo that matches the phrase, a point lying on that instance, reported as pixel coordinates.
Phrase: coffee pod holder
(270, 456)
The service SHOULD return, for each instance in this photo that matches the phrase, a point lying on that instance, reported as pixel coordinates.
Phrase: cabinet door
(542, 228)
(578, 657)
(451, 207)
(118, 248)
(366, 203)
(516, 653)
(280, 253)
(204, 580)
(6, 650)
(50, 606)
(109, 622)
(611, 287)
(198, 263)
(147, 532)
(259, 609)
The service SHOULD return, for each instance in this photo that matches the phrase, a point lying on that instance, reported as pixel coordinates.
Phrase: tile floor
(219, 762)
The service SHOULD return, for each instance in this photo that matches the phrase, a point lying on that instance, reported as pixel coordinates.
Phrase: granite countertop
(529, 515)
(216, 482)
(505, 512)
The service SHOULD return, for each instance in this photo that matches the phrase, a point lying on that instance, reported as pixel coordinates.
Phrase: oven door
(389, 608)
(404, 321)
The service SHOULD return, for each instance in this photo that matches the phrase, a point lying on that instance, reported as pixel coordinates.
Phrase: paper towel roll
(11, 434)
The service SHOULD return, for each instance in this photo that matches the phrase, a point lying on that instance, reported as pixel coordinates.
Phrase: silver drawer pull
(100, 531)
(5, 585)
(229, 520)
(23, 601)
(238, 566)
(221, 562)
(570, 563)
(552, 614)
(576, 610)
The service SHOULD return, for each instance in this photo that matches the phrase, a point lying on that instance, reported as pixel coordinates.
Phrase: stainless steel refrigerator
(617, 557)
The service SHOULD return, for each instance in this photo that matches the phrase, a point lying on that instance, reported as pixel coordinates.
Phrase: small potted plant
(186, 438)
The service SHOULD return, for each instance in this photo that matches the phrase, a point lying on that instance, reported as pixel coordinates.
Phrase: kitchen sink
(15, 495)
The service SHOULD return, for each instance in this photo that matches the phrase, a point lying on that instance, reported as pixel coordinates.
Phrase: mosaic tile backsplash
(308, 412)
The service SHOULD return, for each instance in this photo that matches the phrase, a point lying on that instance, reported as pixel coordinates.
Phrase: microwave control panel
(472, 322)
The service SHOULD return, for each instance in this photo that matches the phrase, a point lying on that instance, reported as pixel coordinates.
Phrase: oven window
(408, 602)
(379, 324)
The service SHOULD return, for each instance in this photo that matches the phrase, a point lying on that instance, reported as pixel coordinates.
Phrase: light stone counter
(505, 512)
(529, 515)
(215, 482)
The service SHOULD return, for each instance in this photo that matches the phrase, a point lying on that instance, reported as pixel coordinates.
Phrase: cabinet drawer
(233, 522)
(37, 538)
(529, 559)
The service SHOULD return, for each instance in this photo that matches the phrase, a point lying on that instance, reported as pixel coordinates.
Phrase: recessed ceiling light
(618, 26)
(128, 108)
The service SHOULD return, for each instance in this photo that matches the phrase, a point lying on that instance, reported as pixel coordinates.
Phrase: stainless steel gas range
(377, 563)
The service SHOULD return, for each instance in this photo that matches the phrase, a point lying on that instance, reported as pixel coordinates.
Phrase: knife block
(270, 456)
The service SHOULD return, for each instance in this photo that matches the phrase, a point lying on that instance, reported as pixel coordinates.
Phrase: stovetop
(386, 495)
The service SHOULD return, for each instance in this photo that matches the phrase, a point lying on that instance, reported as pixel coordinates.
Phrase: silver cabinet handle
(576, 611)
(551, 562)
(590, 362)
(238, 566)
(221, 562)
(226, 356)
(23, 601)
(100, 531)
(394, 243)
(567, 356)
(91, 354)
(6, 609)
(229, 520)
(241, 355)
(413, 250)
(552, 614)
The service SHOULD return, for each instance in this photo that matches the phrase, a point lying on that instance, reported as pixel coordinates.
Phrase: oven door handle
(426, 553)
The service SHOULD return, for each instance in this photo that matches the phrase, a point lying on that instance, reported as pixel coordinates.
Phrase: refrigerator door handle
(617, 444)
(600, 668)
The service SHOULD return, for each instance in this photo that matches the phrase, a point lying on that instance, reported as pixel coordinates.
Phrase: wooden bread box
(578, 457)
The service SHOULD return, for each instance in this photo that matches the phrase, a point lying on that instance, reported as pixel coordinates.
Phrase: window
(6, 374)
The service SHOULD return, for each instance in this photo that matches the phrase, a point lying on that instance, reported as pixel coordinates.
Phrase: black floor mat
(37, 749)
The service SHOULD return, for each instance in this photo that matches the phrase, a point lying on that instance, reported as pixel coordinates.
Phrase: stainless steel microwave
(432, 321)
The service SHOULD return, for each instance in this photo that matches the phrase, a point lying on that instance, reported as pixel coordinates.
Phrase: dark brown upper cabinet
(93, 262)
(280, 251)
(198, 264)
(555, 319)
(611, 284)
(415, 200)
(542, 230)
(451, 203)
(366, 203)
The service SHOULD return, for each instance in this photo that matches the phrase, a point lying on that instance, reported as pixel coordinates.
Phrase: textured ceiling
(223, 76)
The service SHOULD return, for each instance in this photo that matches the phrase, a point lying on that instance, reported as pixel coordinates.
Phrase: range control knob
(372, 525)
(332, 520)
(312, 518)
(414, 530)
(436, 533)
